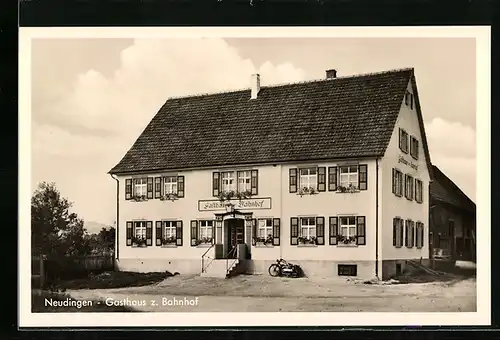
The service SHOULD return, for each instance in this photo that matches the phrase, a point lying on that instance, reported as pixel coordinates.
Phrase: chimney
(255, 85)
(330, 74)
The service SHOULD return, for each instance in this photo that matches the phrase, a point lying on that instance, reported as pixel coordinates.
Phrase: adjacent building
(331, 174)
(452, 232)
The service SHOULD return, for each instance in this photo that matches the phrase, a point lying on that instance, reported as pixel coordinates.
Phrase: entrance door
(235, 235)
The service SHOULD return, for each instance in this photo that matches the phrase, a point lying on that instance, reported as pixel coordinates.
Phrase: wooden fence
(44, 270)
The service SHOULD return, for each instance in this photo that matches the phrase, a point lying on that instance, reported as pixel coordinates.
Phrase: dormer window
(403, 140)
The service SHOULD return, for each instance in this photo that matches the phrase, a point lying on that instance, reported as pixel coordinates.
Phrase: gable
(327, 119)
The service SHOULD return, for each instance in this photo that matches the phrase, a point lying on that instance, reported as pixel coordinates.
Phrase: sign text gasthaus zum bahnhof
(247, 203)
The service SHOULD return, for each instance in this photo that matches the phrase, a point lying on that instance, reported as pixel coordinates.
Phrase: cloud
(97, 119)
(453, 149)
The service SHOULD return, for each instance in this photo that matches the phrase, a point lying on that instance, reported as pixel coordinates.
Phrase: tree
(102, 243)
(55, 231)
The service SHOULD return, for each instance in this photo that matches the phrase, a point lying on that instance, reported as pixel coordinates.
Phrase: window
(228, 181)
(419, 235)
(403, 140)
(206, 231)
(397, 182)
(414, 147)
(410, 234)
(418, 191)
(244, 181)
(348, 227)
(170, 230)
(170, 185)
(140, 230)
(409, 99)
(140, 187)
(308, 178)
(265, 228)
(347, 270)
(349, 176)
(409, 187)
(308, 227)
(398, 231)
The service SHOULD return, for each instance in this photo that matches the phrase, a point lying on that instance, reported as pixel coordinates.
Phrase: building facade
(331, 174)
(452, 221)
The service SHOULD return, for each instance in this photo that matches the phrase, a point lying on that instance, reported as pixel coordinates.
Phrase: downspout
(117, 248)
(376, 219)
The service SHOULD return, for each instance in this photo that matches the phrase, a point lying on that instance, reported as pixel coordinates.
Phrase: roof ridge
(359, 75)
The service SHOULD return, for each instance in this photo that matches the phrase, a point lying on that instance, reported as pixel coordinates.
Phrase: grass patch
(113, 279)
(49, 302)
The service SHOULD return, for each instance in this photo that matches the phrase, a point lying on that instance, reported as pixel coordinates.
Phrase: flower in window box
(307, 191)
(140, 198)
(349, 188)
(204, 240)
(307, 240)
(346, 240)
(243, 194)
(138, 241)
(169, 240)
(264, 240)
(169, 197)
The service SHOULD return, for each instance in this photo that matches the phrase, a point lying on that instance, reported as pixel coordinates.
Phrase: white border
(482, 35)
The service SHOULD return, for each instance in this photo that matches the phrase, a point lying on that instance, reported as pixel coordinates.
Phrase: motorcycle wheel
(274, 270)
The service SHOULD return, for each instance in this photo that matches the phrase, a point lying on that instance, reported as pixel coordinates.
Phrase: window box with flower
(346, 240)
(140, 198)
(307, 241)
(139, 242)
(264, 241)
(307, 191)
(169, 242)
(227, 196)
(204, 242)
(169, 197)
(347, 189)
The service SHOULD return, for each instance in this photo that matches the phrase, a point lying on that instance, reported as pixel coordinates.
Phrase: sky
(91, 98)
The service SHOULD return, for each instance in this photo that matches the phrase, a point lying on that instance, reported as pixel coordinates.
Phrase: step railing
(230, 261)
(207, 259)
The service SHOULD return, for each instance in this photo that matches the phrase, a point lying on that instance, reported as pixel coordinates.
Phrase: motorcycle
(284, 268)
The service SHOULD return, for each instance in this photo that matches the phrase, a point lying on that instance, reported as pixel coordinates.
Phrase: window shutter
(254, 231)
(293, 180)
(394, 181)
(360, 230)
(333, 230)
(157, 187)
(406, 185)
(394, 228)
(179, 233)
(401, 229)
(332, 178)
(411, 101)
(294, 231)
(254, 182)
(320, 230)
(276, 231)
(149, 230)
(215, 183)
(407, 225)
(363, 177)
(422, 235)
(128, 189)
(150, 188)
(129, 233)
(194, 233)
(322, 178)
(416, 149)
(180, 186)
(159, 233)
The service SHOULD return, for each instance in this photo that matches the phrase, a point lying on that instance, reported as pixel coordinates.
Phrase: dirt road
(265, 294)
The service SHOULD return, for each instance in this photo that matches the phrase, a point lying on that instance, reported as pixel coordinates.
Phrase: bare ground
(259, 293)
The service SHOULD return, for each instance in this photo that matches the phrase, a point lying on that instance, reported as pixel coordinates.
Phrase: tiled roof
(443, 189)
(323, 119)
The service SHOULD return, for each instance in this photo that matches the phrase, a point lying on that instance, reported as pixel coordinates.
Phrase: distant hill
(94, 227)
